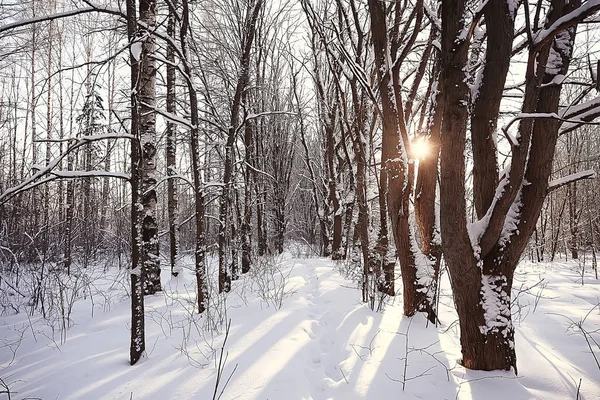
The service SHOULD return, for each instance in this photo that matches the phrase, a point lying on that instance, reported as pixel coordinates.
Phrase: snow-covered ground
(322, 343)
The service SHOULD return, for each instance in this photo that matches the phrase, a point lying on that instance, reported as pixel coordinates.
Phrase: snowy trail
(322, 344)
(323, 369)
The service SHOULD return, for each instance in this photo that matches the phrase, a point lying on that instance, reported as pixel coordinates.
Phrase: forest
(208, 188)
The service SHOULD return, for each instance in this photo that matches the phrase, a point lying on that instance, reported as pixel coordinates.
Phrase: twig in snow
(221, 366)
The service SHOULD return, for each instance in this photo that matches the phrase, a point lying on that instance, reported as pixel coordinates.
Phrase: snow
(323, 343)
(513, 7)
(560, 51)
(511, 223)
(556, 183)
(576, 110)
(587, 8)
(136, 50)
(496, 305)
(557, 80)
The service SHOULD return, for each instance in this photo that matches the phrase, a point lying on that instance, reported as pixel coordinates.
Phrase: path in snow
(323, 371)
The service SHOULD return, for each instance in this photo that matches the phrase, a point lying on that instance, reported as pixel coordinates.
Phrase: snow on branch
(90, 174)
(41, 173)
(557, 183)
(578, 115)
(577, 110)
(574, 116)
(431, 14)
(528, 116)
(467, 32)
(566, 21)
(176, 119)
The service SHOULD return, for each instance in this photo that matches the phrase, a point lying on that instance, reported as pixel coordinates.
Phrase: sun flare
(420, 148)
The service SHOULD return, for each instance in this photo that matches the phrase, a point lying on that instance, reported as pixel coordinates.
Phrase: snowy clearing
(323, 343)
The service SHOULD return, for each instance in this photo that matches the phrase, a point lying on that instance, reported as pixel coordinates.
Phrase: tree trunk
(482, 263)
(362, 224)
(398, 169)
(137, 346)
(246, 225)
(334, 203)
(171, 148)
(200, 242)
(386, 260)
(147, 132)
(226, 201)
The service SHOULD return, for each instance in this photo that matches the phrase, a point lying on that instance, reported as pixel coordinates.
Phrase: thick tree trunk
(482, 347)
(482, 263)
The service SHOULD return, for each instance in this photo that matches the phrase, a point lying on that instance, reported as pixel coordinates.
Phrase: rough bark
(488, 90)
(481, 271)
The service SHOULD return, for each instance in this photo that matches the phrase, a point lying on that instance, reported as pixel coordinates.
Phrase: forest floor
(299, 331)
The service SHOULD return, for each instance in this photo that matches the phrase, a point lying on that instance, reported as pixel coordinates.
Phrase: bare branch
(70, 13)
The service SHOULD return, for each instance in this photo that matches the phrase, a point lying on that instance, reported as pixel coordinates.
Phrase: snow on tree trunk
(482, 256)
(416, 277)
(137, 345)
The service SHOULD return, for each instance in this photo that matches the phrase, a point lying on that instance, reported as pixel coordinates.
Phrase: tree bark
(171, 148)
(137, 346)
(395, 145)
(482, 264)
(147, 132)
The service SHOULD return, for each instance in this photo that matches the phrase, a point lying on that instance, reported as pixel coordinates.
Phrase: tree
(418, 270)
(171, 147)
(482, 256)
(226, 263)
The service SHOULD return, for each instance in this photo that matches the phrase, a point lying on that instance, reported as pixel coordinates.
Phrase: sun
(420, 148)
